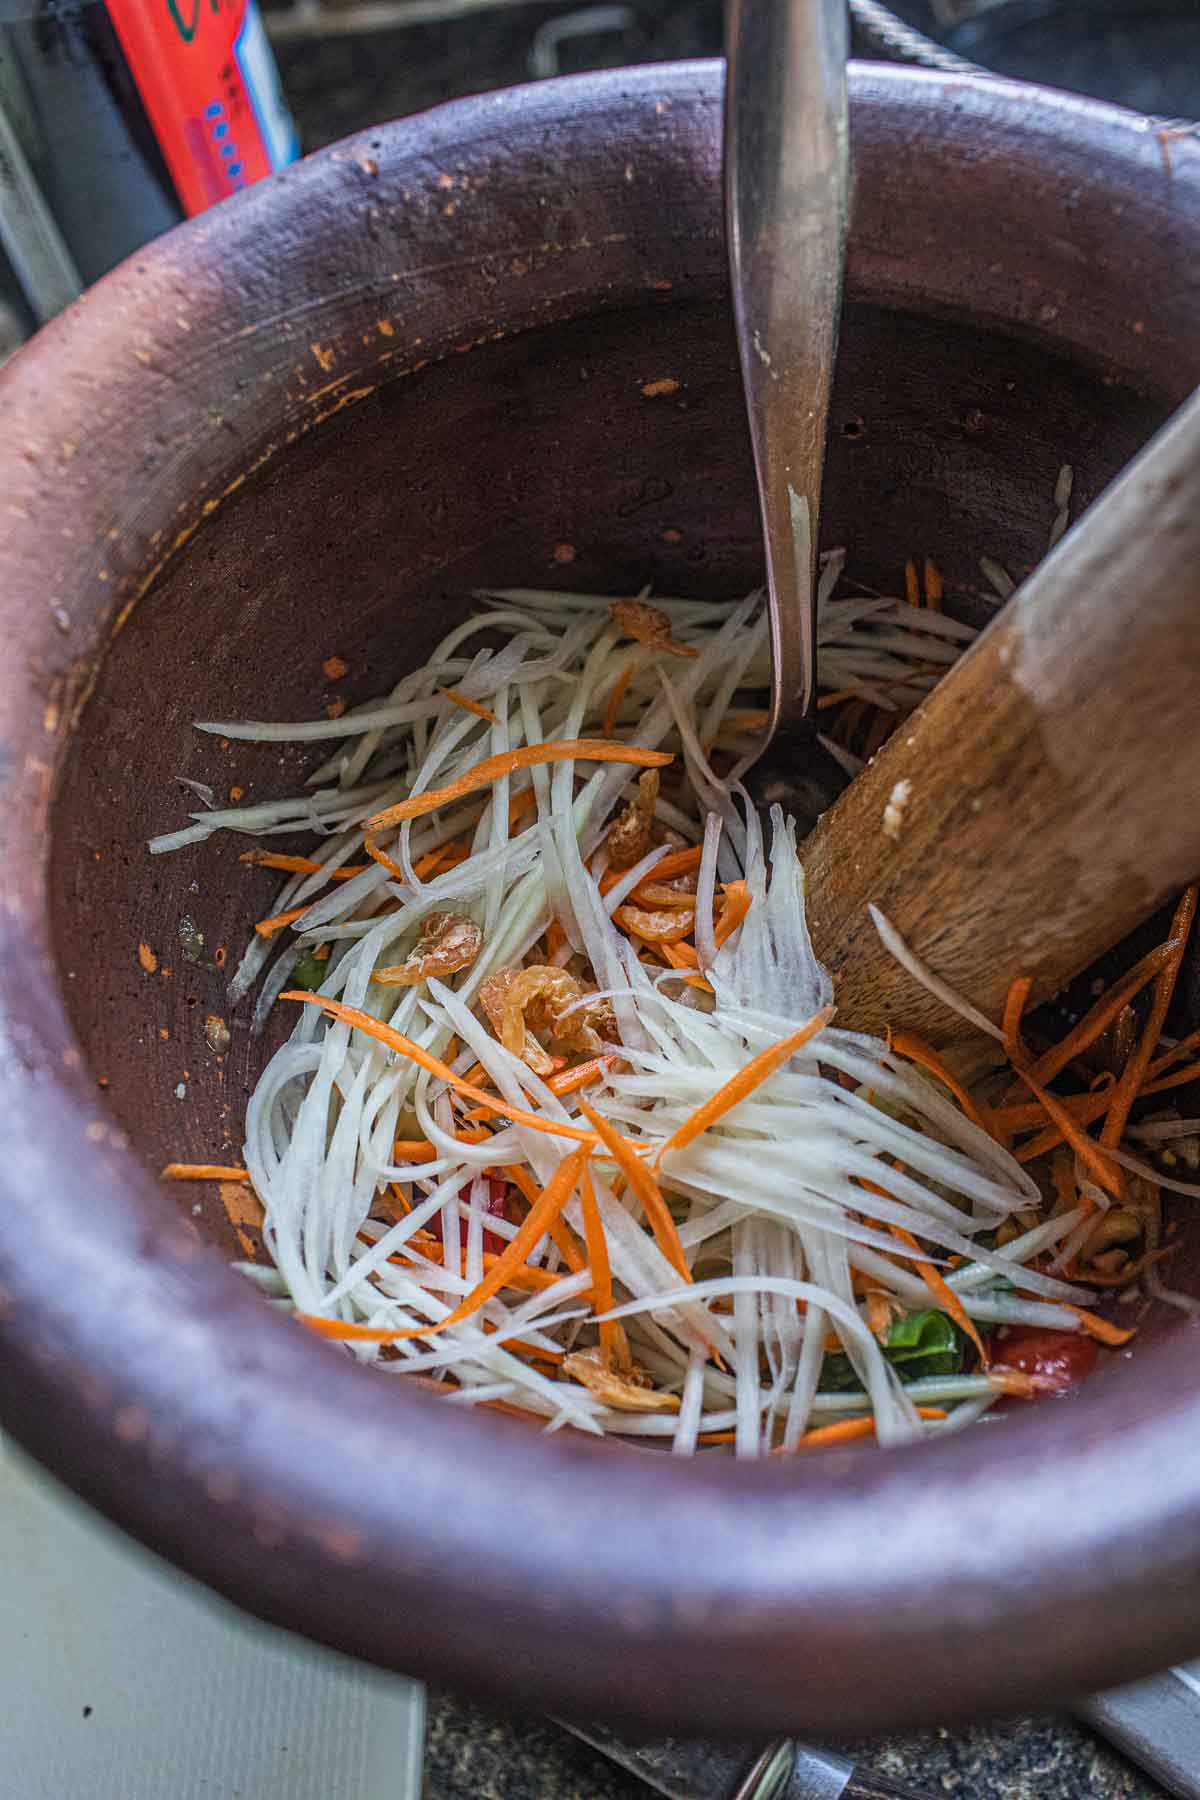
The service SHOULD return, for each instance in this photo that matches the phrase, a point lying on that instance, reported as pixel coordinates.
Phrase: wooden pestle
(1054, 774)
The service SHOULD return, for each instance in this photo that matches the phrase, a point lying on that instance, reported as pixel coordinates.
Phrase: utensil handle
(1045, 799)
(786, 173)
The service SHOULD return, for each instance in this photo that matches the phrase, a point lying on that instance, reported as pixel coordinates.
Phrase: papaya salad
(567, 1124)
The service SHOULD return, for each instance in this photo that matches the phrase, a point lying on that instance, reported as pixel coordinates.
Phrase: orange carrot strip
(744, 1082)
(912, 587)
(917, 1050)
(1100, 1329)
(556, 937)
(933, 585)
(943, 1293)
(845, 1431)
(415, 1150)
(1065, 1187)
(848, 1431)
(675, 862)
(395, 1040)
(512, 1261)
(1031, 1116)
(268, 927)
(298, 865)
(1179, 1078)
(619, 688)
(560, 1231)
(1134, 1073)
(569, 1081)
(529, 756)
(471, 706)
(204, 1172)
(614, 1345)
(1086, 1148)
(737, 905)
(1183, 1048)
(1014, 1007)
(675, 955)
(1100, 1016)
(836, 698)
(645, 1187)
(382, 858)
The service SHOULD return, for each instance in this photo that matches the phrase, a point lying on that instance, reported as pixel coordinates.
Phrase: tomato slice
(1064, 1358)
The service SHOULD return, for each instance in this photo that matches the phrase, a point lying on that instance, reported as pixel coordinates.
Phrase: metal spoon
(786, 201)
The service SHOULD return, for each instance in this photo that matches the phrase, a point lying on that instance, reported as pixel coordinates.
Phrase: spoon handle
(786, 176)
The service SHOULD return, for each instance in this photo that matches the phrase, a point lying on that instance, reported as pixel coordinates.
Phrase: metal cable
(889, 37)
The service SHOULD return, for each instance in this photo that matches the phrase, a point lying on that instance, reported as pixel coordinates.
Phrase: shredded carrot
(1100, 1329)
(912, 587)
(455, 850)
(675, 955)
(1134, 1073)
(468, 705)
(560, 1232)
(1085, 1109)
(395, 1040)
(737, 905)
(415, 1150)
(298, 865)
(268, 927)
(619, 689)
(675, 862)
(529, 756)
(529, 1280)
(645, 1187)
(933, 585)
(836, 698)
(943, 1293)
(204, 1172)
(1066, 1191)
(511, 1262)
(582, 1075)
(1184, 1047)
(1097, 1020)
(567, 1081)
(520, 804)
(556, 937)
(614, 1345)
(730, 1094)
(848, 1431)
(1180, 1078)
(1089, 1152)
(1014, 1008)
(907, 1043)
(382, 858)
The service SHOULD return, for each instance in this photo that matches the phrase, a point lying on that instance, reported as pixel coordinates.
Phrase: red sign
(209, 84)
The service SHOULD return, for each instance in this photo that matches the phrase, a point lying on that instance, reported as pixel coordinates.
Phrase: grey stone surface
(472, 1754)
